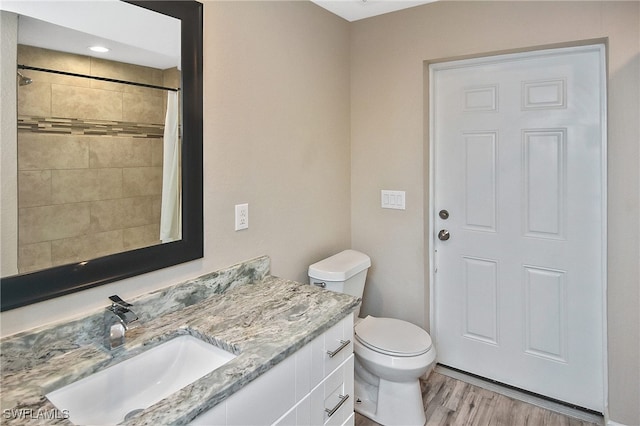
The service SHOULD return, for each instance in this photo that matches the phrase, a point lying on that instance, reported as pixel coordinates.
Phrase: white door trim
(488, 58)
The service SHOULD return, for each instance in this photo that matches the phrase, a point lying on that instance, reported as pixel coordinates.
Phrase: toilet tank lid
(340, 267)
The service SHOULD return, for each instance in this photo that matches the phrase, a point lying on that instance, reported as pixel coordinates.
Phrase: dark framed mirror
(27, 288)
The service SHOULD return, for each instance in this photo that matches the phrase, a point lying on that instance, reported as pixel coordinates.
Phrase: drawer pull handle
(343, 344)
(343, 399)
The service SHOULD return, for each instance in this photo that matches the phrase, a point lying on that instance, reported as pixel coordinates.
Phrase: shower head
(22, 80)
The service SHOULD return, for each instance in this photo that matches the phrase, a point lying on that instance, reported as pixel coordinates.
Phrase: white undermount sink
(120, 391)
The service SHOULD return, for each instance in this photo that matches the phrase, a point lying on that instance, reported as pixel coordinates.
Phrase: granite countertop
(261, 322)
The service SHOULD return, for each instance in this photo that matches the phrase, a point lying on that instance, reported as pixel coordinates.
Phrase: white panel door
(518, 157)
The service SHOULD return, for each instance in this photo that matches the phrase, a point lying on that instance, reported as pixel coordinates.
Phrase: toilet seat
(393, 337)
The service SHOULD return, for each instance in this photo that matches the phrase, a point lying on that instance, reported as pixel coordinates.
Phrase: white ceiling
(353, 10)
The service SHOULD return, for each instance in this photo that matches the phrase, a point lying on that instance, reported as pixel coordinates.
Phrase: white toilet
(391, 354)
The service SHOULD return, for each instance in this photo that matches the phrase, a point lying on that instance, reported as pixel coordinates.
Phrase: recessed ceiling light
(99, 49)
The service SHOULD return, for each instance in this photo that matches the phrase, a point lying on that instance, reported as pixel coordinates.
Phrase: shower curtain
(171, 211)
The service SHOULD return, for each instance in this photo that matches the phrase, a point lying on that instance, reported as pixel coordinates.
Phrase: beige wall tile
(53, 78)
(46, 223)
(80, 102)
(106, 85)
(171, 77)
(35, 98)
(86, 247)
(157, 151)
(70, 186)
(143, 108)
(120, 152)
(34, 257)
(38, 151)
(49, 78)
(126, 72)
(142, 181)
(156, 207)
(122, 213)
(141, 236)
(52, 59)
(34, 188)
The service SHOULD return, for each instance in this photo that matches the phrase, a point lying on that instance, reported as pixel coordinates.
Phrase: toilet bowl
(390, 354)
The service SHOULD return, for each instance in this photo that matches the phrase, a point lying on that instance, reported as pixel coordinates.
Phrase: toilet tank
(344, 272)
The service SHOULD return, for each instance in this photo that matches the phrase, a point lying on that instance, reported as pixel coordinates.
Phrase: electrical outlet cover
(242, 216)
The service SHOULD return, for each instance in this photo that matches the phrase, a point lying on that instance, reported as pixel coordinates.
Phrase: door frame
(430, 66)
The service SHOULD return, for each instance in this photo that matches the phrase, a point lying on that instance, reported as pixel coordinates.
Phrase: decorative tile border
(74, 126)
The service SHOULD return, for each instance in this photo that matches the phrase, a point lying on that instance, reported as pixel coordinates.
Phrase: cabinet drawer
(331, 349)
(331, 402)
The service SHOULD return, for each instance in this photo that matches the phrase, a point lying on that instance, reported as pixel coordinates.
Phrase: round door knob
(443, 235)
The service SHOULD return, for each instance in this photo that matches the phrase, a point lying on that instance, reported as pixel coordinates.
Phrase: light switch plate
(392, 199)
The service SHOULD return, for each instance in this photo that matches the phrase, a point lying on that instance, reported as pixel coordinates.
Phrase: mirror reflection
(98, 142)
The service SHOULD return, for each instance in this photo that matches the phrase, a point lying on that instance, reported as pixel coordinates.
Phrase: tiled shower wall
(89, 158)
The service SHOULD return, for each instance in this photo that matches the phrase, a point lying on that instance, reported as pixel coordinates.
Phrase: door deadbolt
(443, 235)
(443, 214)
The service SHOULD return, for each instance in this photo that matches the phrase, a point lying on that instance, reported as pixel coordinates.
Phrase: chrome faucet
(117, 320)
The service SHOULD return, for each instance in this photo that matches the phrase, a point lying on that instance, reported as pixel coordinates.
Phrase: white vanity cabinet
(314, 386)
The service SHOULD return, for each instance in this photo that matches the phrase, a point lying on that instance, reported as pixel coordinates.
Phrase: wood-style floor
(449, 401)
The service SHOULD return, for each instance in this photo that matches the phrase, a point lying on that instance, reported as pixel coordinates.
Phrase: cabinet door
(304, 371)
(300, 415)
(289, 419)
(265, 399)
(351, 420)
